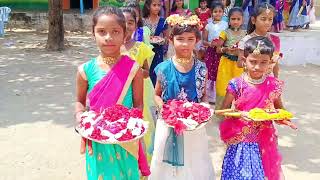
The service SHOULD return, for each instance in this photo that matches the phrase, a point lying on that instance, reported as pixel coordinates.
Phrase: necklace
(109, 60)
(248, 79)
(254, 32)
(235, 29)
(183, 60)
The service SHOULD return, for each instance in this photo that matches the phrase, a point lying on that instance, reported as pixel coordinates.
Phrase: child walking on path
(211, 41)
(181, 157)
(252, 151)
(120, 80)
(228, 68)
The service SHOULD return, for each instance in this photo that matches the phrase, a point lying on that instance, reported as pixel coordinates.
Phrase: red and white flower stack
(184, 115)
(113, 125)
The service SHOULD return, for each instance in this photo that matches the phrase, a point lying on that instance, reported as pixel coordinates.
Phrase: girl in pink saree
(104, 81)
(252, 152)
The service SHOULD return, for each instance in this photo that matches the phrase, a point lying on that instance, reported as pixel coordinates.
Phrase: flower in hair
(257, 50)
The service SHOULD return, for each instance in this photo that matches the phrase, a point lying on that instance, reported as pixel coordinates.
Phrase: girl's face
(236, 20)
(263, 22)
(217, 13)
(224, 2)
(130, 24)
(179, 3)
(203, 4)
(184, 44)
(109, 35)
(155, 7)
(257, 65)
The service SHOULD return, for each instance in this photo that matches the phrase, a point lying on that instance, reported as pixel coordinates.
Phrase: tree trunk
(56, 30)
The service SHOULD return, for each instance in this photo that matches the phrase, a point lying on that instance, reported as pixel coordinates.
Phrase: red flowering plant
(113, 125)
(184, 115)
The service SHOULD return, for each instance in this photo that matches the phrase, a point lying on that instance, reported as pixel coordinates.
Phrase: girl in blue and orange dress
(211, 41)
(158, 27)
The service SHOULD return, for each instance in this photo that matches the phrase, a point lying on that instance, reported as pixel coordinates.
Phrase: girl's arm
(204, 92)
(220, 48)
(227, 101)
(137, 88)
(145, 69)
(241, 58)
(279, 105)
(205, 38)
(158, 92)
(81, 94)
(276, 70)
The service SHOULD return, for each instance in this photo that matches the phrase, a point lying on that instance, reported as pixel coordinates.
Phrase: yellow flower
(259, 114)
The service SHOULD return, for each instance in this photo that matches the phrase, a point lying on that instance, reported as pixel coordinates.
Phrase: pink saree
(111, 90)
(236, 130)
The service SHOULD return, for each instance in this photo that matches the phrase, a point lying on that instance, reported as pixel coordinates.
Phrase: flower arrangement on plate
(258, 114)
(185, 116)
(113, 125)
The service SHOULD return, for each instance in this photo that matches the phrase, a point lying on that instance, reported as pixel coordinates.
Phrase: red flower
(127, 136)
(136, 113)
(179, 127)
(87, 125)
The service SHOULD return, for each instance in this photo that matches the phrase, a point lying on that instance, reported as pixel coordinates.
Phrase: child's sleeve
(223, 36)
(232, 87)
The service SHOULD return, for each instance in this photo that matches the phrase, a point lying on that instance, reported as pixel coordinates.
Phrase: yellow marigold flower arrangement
(258, 114)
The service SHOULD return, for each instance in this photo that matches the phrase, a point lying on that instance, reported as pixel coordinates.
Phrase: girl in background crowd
(158, 28)
(211, 41)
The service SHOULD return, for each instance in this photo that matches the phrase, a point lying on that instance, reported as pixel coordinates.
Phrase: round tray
(112, 142)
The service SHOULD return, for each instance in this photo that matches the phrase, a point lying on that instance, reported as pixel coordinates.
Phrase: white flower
(132, 122)
(120, 134)
(136, 132)
(187, 104)
(191, 124)
(106, 133)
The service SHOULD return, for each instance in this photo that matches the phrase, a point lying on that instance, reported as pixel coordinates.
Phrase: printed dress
(183, 157)
(252, 152)
(228, 68)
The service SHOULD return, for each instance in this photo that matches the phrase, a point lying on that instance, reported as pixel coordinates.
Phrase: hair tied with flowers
(257, 50)
(176, 19)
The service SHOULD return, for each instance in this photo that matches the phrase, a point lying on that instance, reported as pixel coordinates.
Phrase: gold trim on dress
(100, 177)
(99, 157)
(111, 159)
(118, 156)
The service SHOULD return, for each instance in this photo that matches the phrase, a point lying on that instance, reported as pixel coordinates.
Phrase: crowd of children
(228, 58)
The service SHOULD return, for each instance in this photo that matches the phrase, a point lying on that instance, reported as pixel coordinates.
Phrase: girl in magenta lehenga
(257, 140)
